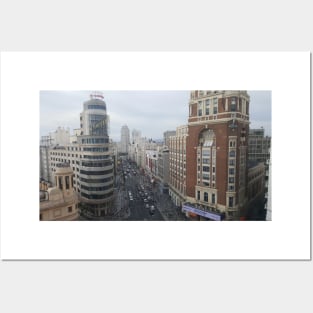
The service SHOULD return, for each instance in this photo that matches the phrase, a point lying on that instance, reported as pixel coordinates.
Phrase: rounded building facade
(96, 173)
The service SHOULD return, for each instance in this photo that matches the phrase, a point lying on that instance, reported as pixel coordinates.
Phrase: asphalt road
(137, 206)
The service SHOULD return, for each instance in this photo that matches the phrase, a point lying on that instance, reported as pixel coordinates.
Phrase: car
(147, 206)
(145, 200)
(152, 210)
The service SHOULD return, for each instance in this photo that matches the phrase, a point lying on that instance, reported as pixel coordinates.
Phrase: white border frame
(24, 74)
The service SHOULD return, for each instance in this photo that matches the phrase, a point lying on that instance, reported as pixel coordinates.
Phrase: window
(69, 209)
(232, 154)
(231, 171)
(215, 110)
(206, 176)
(232, 143)
(206, 169)
(67, 182)
(233, 107)
(213, 198)
(60, 183)
(206, 153)
(206, 196)
(231, 180)
(198, 195)
(207, 107)
(231, 162)
(200, 108)
(231, 202)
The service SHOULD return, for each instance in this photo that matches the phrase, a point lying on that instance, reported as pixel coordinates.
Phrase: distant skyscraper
(125, 139)
(167, 135)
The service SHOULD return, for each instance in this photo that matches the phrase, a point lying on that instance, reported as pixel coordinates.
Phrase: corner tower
(96, 167)
(217, 151)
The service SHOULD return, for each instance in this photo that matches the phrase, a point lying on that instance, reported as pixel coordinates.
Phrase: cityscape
(213, 166)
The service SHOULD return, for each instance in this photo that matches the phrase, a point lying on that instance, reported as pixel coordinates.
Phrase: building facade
(268, 190)
(217, 152)
(59, 203)
(167, 135)
(178, 165)
(90, 158)
(164, 169)
(125, 139)
(259, 146)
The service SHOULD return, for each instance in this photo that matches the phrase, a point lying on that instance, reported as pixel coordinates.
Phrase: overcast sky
(151, 112)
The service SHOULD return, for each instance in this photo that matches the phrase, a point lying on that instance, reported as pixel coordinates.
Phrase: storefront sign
(210, 215)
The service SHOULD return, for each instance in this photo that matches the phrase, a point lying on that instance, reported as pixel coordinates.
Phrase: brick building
(216, 168)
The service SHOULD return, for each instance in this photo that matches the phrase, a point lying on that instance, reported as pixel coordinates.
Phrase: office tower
(167, 135)
(125, 141)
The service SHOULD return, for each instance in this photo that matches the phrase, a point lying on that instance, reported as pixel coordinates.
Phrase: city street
(137, 199)
(140, 200)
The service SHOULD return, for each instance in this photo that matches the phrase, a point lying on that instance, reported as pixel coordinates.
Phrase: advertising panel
(210, 215)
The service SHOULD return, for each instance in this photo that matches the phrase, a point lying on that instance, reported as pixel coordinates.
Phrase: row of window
(96, 164)
(96, 107)
(95, 140)
(96, 181)
(206, 197)
(67, 148)
(97, 157)
(102, 188)
(97, 197)
(96, 149)
(96, 172)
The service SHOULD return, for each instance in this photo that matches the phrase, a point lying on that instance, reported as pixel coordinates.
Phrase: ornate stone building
(59, 203)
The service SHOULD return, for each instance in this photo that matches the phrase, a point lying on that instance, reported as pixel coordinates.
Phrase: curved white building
(90, 158)
(96, 171)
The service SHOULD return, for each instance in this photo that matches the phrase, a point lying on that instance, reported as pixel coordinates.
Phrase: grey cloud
(151, 112)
